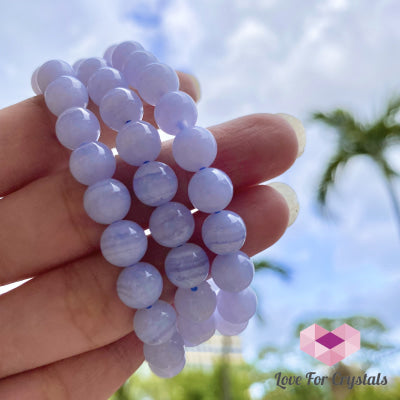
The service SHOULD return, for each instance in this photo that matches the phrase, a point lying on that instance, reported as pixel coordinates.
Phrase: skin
(65, 334)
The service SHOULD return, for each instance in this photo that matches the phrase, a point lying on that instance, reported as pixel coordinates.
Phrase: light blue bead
(65, 92)
(168, 372)
(194, 148)
(123, 243)
(76, 126)
(107, 201)
(88, 67)
(175, 111)
(108, 54)
(155, 80)
(103, 80)
(140, 285)
(171, 224)
(187, 266)
(122, 51)
(166, 355)
(228, 328)
(34, 82)
(210, 190)
(155, 325)
(155, 183)
(77, 63)
(223, 232)
(50, 71)
(237, 308)
(138, 142)
(195, 333)
(134, 65)
(232, 272)
(119, 106)
(92, 162)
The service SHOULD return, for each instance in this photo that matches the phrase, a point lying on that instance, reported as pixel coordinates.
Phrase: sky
(262, 56)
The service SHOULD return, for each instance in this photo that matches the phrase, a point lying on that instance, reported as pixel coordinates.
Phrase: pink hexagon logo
(329, 347)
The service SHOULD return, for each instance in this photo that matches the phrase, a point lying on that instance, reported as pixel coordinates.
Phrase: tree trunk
(393, 198)
(226, 384)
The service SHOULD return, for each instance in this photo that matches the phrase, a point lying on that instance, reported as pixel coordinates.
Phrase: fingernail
(299, 130)
(291, 199)
(196, 85)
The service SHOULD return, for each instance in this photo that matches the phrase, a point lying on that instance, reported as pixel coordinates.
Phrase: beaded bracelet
(225, 302)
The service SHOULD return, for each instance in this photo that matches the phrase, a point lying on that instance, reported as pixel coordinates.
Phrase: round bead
(237, 308)
(65, 92)
(34, 82)
(232, 272)
(196, 304)
(50, 71)
(138, 142)
(171, 224)
(166, 355)
(194, 148)
(155, 325)
(77, 63)
(76, 126)
(187, 266)
(134, 65)
(123, 243)
(88, 67)
(107, 201)
(210, 190)
(120, 106)
(108, 54)
(140, 285)
(175, 111)
(223, 232)
(122, 51)
(227, 328)
(155, 80)
(92, 162)
(103, 80)
(168, 372)
(155, 183)
(195, 333)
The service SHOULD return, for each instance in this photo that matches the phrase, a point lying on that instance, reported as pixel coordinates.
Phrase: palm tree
(357, 138)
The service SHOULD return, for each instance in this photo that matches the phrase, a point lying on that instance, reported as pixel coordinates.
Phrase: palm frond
(283, 271)
(339, 119)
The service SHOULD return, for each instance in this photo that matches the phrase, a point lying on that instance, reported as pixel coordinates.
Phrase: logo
(329, 347)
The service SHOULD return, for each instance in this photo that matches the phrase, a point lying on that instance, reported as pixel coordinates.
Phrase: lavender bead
(196, 304)
(88, 67)
(227, 328)
(108, 54)
(65, 92)
(210, 190)
(155, 183)
(92, 162)
(171, 224)
(123, 243)
(155, 325)
(155, 80)
(168, 372)
(194, 333)
(223, 232)
(107, 201)
(194, 148)
(103, 80)
(175, 111)
(34, 82)
(134, 65)
(237, 308)
(232, 272)
(77, 63)
(138, 142)
(120, 106)
(166, 355)
(50, 71)
(140, 285)
(187, 266)
(122, 52)
(76, 126)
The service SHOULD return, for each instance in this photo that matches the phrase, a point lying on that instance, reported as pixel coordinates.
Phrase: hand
(65, 334)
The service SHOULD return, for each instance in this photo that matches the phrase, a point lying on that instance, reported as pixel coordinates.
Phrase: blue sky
(262, 56)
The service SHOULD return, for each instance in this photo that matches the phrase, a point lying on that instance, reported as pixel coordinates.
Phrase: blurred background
(335, 65)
